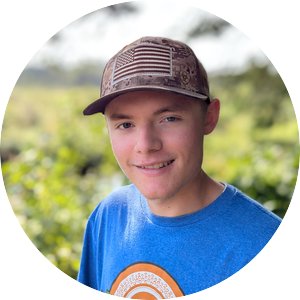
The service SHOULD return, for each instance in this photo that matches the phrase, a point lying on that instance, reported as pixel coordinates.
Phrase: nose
(148, 140)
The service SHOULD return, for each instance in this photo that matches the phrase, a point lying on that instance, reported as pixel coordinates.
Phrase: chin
(155, 193)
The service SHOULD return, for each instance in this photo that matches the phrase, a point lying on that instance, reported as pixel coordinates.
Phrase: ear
(212, 116)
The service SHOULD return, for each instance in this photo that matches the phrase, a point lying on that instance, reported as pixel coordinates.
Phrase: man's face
(157, 139)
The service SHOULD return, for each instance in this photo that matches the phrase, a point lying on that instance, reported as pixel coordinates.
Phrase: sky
(98, 36)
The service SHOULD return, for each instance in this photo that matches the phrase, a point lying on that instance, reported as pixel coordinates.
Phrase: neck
(197, 196)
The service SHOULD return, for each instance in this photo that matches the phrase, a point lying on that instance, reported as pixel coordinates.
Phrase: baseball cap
(152, 63)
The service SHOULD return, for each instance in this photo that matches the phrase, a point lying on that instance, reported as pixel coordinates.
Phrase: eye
(170, 119)
(125, 125)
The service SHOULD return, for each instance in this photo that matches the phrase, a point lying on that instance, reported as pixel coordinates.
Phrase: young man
(174, 231)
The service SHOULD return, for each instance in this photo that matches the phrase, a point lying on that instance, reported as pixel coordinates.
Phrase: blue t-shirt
(130, 252)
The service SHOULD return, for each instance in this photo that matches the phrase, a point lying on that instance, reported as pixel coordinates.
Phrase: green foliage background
(57, 164)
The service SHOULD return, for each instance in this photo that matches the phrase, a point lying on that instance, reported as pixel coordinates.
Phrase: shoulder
(118, 200)
(247, 224)
(251, 212)
(122, 196)
(253, 205)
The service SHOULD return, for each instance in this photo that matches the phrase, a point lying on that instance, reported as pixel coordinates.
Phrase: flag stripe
(143, 60)
(145, 70)
(153, 48)
(153, 52)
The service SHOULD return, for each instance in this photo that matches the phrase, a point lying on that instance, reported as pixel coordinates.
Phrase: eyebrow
(170, 108)
(119, 116)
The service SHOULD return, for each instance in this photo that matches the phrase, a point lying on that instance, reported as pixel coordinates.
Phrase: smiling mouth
(158, 165)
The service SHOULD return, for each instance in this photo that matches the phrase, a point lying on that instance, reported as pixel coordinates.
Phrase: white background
(25, 26)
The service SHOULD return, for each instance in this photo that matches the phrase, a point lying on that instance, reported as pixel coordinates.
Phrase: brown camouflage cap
(152, 63)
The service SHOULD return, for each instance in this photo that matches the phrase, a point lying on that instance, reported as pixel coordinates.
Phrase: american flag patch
(143, 60)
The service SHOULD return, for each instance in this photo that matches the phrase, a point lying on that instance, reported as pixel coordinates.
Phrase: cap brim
(100, 104)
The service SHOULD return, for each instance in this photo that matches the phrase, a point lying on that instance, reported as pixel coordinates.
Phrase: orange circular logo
(145, 281)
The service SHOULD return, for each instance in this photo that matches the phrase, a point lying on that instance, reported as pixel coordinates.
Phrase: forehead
(150, 102)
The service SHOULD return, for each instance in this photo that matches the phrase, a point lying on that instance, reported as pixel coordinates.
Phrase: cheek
(189, 140)
(190, 145)
(121, 148)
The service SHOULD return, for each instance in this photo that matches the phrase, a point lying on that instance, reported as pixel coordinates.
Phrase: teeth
(158, 166)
